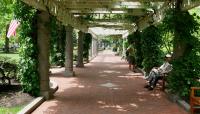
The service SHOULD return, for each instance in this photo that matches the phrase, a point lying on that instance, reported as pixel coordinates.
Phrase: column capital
(69, 28)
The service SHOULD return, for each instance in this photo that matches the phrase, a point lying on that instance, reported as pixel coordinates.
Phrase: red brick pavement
(105, 86)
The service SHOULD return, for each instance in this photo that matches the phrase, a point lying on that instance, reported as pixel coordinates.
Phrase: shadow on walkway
(105, 86)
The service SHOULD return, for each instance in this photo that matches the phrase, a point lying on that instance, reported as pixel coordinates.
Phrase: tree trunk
(6, 47)
(180, 46)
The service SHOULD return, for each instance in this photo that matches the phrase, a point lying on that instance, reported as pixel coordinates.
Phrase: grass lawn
(11, 55)
(11, 110)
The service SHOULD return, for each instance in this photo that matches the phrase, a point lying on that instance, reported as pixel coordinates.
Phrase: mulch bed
(12, 95)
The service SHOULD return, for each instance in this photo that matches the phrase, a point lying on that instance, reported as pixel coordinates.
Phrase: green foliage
(130, 39)
(28, 52)
(151, 43)
(117, 44)
(138, 43)
(185, 74)
(57, 42)
(86, 45)
(75, 44)
(167, 38)
(6, 14)
(10, 110)
(75, 38)
(186, 66)
(8, 60)
(8, 70)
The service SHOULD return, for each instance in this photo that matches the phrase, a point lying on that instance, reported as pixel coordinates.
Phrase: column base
(47, 95)
(80, 65)
(69, 73)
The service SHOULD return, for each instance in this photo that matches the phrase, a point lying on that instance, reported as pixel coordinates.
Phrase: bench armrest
(195, 88)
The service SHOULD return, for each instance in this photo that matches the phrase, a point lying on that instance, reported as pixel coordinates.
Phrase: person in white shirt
(157, 73)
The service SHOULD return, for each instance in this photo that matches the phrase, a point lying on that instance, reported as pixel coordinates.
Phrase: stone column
(43, 43)
(124, 48)
(69, 52)
(94, 47)
(80, 49)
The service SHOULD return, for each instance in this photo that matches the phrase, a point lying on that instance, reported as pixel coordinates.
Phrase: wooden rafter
(62, 15)
(77, 1)
(189, 4)
(134, 12)
(65, 11)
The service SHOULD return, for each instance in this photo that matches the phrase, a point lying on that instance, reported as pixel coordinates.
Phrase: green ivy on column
(151, 45)
(28, 52)
(186, 58)
(57, 42)
(86, 45)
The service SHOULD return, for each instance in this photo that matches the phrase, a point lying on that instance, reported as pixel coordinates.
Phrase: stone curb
(32, 106)
(174, 98)
(53, 87)
(38, 101)
(141, 71)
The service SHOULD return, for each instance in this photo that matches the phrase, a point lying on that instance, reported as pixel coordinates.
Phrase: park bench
(162, 82)
(8, 72)
(194, 100)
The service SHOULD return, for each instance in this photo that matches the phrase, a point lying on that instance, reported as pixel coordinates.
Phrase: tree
(6, 15)
(186, 58)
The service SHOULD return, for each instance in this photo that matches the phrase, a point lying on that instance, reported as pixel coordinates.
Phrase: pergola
(73, 13)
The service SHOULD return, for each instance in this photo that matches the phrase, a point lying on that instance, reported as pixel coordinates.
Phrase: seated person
(157, 73)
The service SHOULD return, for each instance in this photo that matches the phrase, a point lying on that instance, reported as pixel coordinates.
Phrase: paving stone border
(176, 99)
(39, 100)
(32, 106)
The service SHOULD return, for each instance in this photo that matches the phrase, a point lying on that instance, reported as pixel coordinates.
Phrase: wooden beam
(134, 12)
(188, 4)
(111, 20)
(113, 0)
(36, 4)
(111, 23)
(100, 3)
(94, 6)
(152, 18)
(61, 14)
(105, 26)
(128, 27)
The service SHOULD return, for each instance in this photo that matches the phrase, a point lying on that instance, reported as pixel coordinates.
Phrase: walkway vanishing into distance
(105, 86)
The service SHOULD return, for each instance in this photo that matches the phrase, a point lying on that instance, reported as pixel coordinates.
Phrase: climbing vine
(138, 43)
(58, 38)
(75, 44)
(151, 43)
(86, 45)
(186, 58)
(28, 52)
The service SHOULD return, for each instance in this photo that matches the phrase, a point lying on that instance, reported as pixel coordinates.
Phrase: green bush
(136, 37)
(57, 42)
(86, 45)
(186, 63)
(8, 68)
(151, 48)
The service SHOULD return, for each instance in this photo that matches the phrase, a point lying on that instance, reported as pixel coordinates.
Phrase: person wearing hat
(156, 73)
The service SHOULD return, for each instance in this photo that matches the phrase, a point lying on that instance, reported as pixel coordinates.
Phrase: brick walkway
(105, 86)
